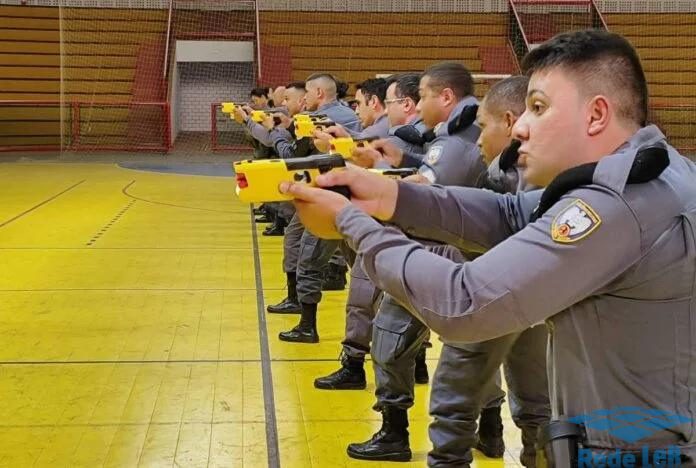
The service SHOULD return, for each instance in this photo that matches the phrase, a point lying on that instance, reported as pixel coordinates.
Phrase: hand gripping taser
(258, 180)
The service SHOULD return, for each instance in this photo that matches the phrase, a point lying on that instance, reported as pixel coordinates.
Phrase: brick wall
(201, 84)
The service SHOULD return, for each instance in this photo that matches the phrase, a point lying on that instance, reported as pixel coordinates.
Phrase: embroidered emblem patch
(577, 221)
(434, 155)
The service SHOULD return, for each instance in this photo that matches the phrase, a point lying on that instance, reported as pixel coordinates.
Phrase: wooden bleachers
(667, 47)
(357, 46)
(100, 47)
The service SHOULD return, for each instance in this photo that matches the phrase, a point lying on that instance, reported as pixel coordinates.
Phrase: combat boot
(351, 375)
(306, 330)
(421, 372)
(334, 278)
(289, 305)
(390, 443)
(490, 433)
(275, 229)
(528, 454)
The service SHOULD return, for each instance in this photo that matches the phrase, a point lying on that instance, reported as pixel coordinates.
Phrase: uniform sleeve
(411, 156)
(451, 161)
(469, 218)
(259, 133)
(282, 142)
(411, 159)
(524, 280)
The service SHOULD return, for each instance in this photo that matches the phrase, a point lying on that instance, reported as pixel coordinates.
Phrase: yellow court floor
(133, 333)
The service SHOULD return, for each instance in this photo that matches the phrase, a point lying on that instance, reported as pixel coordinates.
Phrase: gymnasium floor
(133, 332)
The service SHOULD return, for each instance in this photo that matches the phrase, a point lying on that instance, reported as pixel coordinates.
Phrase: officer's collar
(380, 120)
(443, 129)
(467, 101)
(328, 105)
(612, 171)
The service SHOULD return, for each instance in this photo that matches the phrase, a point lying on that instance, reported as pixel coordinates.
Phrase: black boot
(275, 229)
(334, 278)
(306, 330)
(268, 215)
(259, 210)
(421, 372)
(289, 305)
(351, 375)
(490, 433)
(528, 455)
(390, 443)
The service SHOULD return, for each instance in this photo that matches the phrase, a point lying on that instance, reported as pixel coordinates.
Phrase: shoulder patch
(433, 155)
(577, 221)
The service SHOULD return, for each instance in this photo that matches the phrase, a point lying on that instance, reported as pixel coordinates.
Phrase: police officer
(320, 100)
(392, 101)
(312, 253)
(446, 105)
(370, 110)
(609, 248)
(277, 213)
(467, 377)
(370, 94)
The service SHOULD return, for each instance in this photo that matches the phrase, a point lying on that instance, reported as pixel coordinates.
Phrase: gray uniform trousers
(397, 337)
(285, 210)
(465, 381)
(291, 244)
(363, 299)
(314, 255)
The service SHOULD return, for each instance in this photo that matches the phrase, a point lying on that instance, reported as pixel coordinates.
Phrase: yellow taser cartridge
(258, 180)
(305, 128)
(345, 145)
(228, 108)
(258, 116)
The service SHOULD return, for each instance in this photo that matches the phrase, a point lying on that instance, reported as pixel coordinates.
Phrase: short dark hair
(509, 94)
(451, 75)
(341, 89)
(296, 85)
(406, 85)
(316, 76)
(259, 92)
(601, 62)
(374, 87)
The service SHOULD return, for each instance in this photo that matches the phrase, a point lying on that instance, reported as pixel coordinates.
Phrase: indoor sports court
(136, 333)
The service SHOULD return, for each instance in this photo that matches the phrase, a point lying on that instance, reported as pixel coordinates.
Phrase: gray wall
(202, 83)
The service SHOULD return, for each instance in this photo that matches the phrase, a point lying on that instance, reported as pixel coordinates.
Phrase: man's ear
(598, 116)
(509, 118)
(448, 96)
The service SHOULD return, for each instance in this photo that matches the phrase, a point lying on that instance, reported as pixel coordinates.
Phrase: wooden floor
(133, 332)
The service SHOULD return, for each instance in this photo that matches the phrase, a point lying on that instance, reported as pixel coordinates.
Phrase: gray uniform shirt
(509, 181)
(287, 147)
(259, 133)
(378, 129)
(612, 267)
(454, 159)
(412, 152)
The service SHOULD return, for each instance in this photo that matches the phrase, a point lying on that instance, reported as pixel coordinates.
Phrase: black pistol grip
(341, 190)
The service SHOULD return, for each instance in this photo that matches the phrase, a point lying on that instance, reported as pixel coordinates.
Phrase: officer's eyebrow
(531, 92)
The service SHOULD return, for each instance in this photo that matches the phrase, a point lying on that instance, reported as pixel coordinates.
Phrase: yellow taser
(258, 180)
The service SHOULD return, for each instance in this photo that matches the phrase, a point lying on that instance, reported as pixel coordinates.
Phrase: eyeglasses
(391, 101)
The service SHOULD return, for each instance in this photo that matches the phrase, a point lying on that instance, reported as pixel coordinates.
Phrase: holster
(558, 444)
